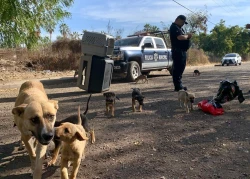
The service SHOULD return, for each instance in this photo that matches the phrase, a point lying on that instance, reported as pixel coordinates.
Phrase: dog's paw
(50, 163)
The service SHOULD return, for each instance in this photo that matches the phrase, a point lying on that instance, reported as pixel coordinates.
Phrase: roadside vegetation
(24, 42)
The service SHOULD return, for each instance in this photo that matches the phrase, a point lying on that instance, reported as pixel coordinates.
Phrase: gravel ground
(160, 142)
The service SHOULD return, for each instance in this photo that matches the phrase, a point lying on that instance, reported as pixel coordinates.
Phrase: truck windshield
(135, 41)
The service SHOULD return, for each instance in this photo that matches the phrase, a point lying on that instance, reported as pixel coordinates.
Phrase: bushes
(197, 57)
(61, 55)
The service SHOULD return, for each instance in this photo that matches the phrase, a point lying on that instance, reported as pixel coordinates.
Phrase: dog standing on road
(137, 96)
(73, 137)
(110, 102)
(74, 120)
(196, 73)
(35, 115)
(76, 73)
(142, 78)
(185, 99)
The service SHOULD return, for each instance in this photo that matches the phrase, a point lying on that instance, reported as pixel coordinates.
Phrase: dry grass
(64, 54)
(196, 57)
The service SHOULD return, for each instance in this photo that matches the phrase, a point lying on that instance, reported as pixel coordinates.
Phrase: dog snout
(109, 100)
(48, 136)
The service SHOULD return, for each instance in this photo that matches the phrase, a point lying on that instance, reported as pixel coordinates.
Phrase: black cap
(182, 17)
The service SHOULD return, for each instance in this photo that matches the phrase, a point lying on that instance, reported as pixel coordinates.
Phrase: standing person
(180, 42)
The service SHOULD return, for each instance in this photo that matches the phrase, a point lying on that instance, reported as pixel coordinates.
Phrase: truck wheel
(133, 71)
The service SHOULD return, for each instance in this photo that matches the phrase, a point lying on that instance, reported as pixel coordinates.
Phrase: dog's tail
(79, 116)
(85, 112)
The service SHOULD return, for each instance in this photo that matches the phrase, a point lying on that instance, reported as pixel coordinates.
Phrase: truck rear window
(128, 42)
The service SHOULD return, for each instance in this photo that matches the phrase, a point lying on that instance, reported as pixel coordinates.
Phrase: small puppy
(76, 73)
(196, 73)
(142, 78)
(74, 120)
(73, 137)
(137, 96)
(110, 102)
(185, 98)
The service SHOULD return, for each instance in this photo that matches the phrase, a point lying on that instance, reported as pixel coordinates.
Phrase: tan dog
(73, 137)
(110, 102)
(35, 115)
(74, 119)
(185, 98)
(141, 77)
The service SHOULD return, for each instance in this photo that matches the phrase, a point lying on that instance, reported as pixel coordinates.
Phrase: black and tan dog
(196, 73)
(35, 116)
(137, 96)
(76, 73)
(74, 119)
(110, 102)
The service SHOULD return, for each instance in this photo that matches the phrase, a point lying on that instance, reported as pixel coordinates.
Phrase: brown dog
(74, 120)
(186, 98)
(110, 102)
(35, 115)
(142, 78)
(74, 138)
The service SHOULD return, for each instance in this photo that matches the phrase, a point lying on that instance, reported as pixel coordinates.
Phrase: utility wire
(226, 10)
(192, 11)
(235, 11)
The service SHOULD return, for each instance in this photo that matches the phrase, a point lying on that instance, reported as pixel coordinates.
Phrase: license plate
(117, 67)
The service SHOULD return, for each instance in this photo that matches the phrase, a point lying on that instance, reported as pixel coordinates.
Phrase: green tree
(224, 40)
(197, 22)
(50, 30)
(64, 30)
(75, 36)
(20, 19)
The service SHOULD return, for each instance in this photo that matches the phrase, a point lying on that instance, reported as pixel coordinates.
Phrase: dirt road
(160, 142)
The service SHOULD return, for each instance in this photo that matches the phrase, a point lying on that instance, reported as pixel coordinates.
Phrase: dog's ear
(55, 102)
(80, 136)
(19, 109)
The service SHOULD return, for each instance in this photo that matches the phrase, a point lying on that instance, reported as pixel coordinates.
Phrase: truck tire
(133, 71)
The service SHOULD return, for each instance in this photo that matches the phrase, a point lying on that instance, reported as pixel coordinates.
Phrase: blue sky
(131, 15)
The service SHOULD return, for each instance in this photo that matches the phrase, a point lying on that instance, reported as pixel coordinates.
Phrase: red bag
(211, 107)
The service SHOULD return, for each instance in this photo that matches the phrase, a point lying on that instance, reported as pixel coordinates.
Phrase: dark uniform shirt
(176, 44)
